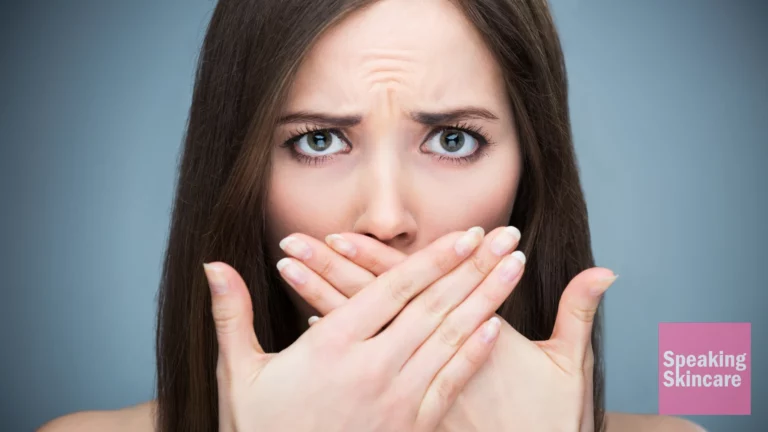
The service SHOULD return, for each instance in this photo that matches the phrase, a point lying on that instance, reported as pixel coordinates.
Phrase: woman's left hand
(525, 385)
(536, 385)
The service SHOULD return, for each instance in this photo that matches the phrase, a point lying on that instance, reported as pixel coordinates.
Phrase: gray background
(669, 103)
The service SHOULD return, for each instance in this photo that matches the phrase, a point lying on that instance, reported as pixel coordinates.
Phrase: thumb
(239, 348)
(576, 312)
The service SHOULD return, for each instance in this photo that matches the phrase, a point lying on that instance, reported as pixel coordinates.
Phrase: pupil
(452, 141)
(319, 141)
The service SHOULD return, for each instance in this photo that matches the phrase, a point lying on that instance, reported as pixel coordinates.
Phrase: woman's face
(417, 134)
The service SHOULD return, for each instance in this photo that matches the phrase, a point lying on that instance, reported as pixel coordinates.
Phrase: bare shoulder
(625, 422)
(137, 418)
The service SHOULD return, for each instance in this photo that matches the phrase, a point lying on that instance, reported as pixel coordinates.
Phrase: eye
(319, 143)
(453, 143)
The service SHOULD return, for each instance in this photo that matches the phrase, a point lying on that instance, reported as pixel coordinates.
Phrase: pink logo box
(704, 368)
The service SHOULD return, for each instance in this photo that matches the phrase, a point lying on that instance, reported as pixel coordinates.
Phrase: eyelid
(305, 129)
(477, 132)
(458, 154)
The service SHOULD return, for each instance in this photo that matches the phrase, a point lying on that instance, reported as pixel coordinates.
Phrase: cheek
(299, 203)
(470, 204)
(483, 195)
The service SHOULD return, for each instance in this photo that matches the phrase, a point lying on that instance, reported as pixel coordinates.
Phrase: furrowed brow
(320, 119)
(452, 116)
(425, 118)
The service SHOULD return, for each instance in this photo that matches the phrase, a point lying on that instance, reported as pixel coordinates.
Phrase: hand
(537, 385)
(343, 270)
(343, 374)
(565, 388)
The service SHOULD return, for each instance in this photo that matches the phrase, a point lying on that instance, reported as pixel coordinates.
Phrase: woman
(387, 128)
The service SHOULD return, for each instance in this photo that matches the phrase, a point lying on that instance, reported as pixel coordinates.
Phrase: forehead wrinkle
(394, 54)
(392, 77)
(378, 65)
(436, 70)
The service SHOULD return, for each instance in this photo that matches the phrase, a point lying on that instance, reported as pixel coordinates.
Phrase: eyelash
(483, 143)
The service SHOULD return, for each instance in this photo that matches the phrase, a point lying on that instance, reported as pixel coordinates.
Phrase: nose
(386, 196)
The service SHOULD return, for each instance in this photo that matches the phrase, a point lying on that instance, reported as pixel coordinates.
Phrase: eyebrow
(425, 118)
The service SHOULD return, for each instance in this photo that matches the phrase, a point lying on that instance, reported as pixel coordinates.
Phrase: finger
(576, 312)
(455, 375)
(311, 287)
(341, 273)
(468, 316)
(239, 348)
(366, 313)
(420, 318)
(366, 252)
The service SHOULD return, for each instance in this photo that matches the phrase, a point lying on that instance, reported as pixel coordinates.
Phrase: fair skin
(396, 180)
(389, 176)
(556, 379)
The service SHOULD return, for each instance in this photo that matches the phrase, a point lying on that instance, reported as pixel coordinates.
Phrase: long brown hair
(249, 56)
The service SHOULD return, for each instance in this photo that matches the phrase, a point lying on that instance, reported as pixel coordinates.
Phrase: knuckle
(398, 288)
(450, 334)
(481, 264)
(394, 400)
(400, 397)
(225, 318)
(331, 338)
(372, 376)
(474, 354)
(311, 293)
(374, 264)
(326, 265)
(446, 389)
(586, 315)
(435, 304)
(443, 262)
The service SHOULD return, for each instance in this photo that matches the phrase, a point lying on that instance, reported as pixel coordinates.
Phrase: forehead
(425, 50)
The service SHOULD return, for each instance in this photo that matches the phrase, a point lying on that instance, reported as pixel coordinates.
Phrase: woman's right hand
(347, 374)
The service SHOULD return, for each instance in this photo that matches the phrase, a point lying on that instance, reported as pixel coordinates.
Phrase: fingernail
(469, 241)
(519, 255)
(512, 265)
(602, 285)
(216, 279)
(291, 271)
(295, 247)
(491, 329)
(505, 240)
(313, 319)
(341, 245)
